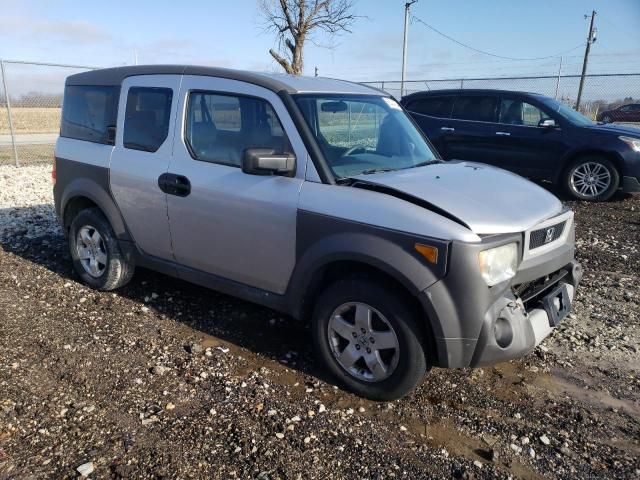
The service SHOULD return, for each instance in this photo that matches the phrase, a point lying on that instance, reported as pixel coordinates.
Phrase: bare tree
(295, 21)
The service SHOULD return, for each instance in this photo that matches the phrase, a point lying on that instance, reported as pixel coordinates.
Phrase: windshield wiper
(424, 164)
(377, 170)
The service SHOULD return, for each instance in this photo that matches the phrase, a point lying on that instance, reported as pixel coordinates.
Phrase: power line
(489, 53)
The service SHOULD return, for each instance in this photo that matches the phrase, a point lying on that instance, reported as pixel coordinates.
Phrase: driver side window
(517, 112)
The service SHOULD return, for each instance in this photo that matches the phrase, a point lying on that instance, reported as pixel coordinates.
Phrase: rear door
(432, 114)
(524, 146)
(470, 133)
(144, 144)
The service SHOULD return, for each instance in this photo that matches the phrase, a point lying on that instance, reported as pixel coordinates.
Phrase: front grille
(541, 237)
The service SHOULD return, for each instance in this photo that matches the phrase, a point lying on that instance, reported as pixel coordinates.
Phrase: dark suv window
(88, 111)
(221, 127)
(433, 106)
(476, 107)
(146, 122)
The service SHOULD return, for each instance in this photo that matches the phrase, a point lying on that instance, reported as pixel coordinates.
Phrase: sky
(232, 34)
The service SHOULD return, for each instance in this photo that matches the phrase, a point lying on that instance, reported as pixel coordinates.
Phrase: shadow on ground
(211, 314)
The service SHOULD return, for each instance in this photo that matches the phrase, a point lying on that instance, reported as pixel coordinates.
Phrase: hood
(616, 129)
(487, 199)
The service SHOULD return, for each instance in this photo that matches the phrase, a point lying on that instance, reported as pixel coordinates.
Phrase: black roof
(456, 91)
(273, 81)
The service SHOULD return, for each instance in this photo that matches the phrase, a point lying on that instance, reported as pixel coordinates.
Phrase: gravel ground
(163, 379)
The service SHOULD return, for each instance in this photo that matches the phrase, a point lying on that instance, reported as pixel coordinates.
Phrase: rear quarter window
(433, 106)
(88, 112)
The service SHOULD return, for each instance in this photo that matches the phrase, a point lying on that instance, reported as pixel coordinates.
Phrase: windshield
(567, 112)
(364, 134)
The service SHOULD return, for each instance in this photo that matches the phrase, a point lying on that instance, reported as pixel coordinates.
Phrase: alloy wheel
(363, 342)
(590, 179)
(91, 251)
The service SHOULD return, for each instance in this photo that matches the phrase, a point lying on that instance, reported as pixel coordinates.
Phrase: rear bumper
(630, 185)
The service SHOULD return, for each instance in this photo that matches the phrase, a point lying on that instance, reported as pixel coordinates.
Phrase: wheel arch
(85, 193)
(585, 152)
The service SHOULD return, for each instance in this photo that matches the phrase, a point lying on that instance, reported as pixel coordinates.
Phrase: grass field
(31, 120)
(28, 154)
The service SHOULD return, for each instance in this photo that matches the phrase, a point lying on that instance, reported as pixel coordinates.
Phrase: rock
(545, 440)
(159, 370)
(403, 428)
(170, 406)
(515, 448)
(280, 435)
(322, 408)
(194, 349)
(85, 469)
(477, 463)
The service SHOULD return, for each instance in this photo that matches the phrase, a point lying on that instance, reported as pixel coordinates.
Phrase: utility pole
(558, 79)
(590, 39)
(407, 7)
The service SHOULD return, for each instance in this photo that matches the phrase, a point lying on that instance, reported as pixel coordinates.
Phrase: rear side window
(433, 106)
(88, 112)
(221, 127)
(477, 108)
(146, 122)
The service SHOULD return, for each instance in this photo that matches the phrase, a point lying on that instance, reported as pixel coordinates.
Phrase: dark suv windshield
(363, 134)
(567, 112)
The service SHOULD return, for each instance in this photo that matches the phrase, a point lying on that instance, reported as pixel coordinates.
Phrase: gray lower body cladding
(630, 185)
(467, 310)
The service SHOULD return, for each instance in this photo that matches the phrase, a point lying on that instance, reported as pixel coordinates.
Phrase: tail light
(53, 171)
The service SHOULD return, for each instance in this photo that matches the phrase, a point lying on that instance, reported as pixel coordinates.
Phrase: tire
(391, 316)
(109, 269)
(591, 168)
(606, 119)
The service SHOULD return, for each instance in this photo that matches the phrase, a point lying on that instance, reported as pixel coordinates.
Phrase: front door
(232, 224)
(525, 147)
(144, 142)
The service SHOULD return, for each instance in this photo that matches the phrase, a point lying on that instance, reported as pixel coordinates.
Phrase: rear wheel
(592, 178)
(95, 251)
(607, 119)
(368, 337)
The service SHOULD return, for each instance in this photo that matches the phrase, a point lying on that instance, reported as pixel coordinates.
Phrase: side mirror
(548, 123)
(263, 161)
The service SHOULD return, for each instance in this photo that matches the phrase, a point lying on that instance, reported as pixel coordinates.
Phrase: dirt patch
(163, 379)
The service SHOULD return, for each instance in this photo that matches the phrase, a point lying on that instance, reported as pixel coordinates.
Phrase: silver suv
(318, 198)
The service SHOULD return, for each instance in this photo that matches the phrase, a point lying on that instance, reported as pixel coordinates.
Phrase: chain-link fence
(31, 99)
(30, 107)
(601, 92)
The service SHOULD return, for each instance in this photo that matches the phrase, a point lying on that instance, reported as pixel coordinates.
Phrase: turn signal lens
(428, 252)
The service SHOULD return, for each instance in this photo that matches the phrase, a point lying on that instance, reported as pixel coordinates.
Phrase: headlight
(634, 143)
(498, 264)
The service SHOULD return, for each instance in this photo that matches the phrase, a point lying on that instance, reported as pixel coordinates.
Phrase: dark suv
(532, 135)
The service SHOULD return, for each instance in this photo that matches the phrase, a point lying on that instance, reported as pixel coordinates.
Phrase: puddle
(559, 383)
(444, 435)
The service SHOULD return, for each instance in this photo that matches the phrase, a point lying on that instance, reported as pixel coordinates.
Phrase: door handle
(173, 184)
(447, 129)
(503, 134)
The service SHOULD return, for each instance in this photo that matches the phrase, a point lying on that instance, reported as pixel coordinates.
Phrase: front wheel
(592, 178)
(368, 337)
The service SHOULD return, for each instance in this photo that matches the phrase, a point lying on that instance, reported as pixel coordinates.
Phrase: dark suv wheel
(592, 178)
(368, 337)
(95, 251)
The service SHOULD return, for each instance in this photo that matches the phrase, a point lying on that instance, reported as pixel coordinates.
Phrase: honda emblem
(550, 233)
